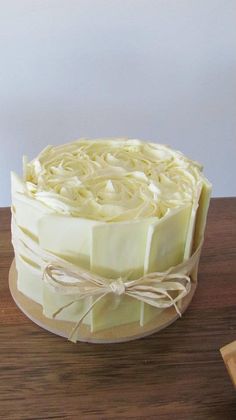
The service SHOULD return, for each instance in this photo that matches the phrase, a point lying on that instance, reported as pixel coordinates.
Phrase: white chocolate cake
(119, 208)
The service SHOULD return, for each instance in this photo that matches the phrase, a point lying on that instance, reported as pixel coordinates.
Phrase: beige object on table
(228, 354)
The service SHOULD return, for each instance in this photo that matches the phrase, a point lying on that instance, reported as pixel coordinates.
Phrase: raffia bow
(158, 289)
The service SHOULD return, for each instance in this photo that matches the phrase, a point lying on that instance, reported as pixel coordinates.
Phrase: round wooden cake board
(116, 334)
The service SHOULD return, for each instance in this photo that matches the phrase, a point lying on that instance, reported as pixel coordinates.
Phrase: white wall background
(154, 69)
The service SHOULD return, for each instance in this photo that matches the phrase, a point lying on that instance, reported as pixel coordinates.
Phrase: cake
(119, 209)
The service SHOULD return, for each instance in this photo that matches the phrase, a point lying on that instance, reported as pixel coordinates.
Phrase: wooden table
(175, 374)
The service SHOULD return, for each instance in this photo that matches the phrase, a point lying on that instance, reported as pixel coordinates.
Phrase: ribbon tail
(62, 308)
(174, 303)
(71, 336)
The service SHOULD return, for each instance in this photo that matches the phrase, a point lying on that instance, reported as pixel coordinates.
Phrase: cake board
(116, 334)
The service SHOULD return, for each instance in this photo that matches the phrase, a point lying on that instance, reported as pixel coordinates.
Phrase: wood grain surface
(177, 373)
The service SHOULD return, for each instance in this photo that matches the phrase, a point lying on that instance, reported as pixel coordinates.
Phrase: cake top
(112, 179)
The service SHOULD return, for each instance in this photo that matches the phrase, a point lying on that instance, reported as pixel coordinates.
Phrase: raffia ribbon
(65, 278)
(155, 288)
